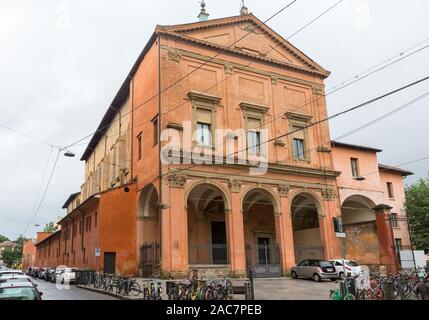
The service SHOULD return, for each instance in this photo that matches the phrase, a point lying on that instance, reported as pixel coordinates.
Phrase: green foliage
(11, 256)
(3, 238)
(417, 207)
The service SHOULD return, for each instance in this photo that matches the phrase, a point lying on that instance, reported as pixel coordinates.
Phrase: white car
(67, 276)
(352, 268)
(9, 272)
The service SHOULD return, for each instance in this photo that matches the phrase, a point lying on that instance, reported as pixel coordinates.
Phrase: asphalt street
(53, 292)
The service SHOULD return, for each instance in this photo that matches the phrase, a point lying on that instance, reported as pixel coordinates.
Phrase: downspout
(161, 206)
(72, 241)
(132, 131)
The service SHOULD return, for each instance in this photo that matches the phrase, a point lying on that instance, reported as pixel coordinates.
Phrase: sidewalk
(164, 296)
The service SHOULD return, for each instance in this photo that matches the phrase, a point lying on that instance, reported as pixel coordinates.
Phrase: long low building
(253, 181)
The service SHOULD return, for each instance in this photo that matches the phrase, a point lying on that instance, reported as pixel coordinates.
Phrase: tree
(417, 207)
(11, 256)
(3, 238)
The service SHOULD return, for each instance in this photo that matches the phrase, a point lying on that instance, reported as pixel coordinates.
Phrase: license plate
(330, 269)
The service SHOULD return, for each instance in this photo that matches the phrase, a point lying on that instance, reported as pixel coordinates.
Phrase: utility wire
(44, 193)
(317, 122)
(184, 77)
(27, 135)
(358, 77)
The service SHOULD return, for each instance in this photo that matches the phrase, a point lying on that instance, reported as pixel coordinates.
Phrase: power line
(187, 75)
(27, 135)
(317, 122)
(44, 192)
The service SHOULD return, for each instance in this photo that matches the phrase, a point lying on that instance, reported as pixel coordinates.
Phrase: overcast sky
(62, 62)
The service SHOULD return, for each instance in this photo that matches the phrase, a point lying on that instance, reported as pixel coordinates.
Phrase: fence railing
(208, 253)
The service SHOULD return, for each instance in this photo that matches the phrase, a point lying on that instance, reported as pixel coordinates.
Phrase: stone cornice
(257, 24)
(244, 54)
(231, 66)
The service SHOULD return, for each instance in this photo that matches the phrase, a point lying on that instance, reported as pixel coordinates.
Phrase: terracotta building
(137, 213)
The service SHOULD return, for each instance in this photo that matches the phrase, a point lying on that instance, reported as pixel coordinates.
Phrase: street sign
(340, 234)
(97, 252)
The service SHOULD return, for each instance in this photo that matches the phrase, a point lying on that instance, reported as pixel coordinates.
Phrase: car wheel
(294, 275)
(316, 277)
(342, 276)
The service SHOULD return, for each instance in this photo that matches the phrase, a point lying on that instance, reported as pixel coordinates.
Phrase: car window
(352, 264)
(18, 294)
(313, 263)
(303, 263)
(325, 264)
(338, 263)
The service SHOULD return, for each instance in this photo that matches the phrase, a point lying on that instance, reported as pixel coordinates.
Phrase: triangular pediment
(249, 36)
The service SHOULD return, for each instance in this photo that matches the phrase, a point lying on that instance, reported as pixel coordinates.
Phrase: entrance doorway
(110, 262)
(264, 250)
(219, 253)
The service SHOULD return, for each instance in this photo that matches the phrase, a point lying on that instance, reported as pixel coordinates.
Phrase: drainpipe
(411, 240)
(159, 151)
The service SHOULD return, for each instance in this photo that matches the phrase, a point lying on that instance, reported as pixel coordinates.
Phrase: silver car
(314, 269)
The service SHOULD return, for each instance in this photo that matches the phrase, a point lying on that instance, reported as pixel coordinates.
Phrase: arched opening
(207, 236)
(307, 241)
(361, 244)
(261, 242)
(148, 231)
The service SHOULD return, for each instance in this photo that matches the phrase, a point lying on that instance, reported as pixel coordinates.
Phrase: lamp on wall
(69, 154)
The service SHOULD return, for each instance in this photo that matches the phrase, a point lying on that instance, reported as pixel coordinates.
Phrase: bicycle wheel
(135, 289)
(349, 296)
(210, 295)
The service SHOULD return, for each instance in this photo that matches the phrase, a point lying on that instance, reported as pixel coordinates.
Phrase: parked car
(314, 269)
(352, 268)
(50, 274)
(55, 275)
(42, 273)
(9, 271)
(17, 278)
(67, 275)
(35, 272)
(19, 291)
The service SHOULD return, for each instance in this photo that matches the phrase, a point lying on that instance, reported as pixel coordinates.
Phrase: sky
(62, 62)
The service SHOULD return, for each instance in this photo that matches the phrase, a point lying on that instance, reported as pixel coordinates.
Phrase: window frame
(202, 101)
(356, 161)
(202, 134)
(299, 121)
(255, 112)
(295, 155)
(155, 130)
(390, 191)
(139, 146)
(394, 219)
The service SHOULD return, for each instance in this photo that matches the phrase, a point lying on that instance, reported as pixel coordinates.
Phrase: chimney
(203, 16)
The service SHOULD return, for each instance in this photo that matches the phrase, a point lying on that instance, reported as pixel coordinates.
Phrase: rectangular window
(298, 149)
(355, 168)
(95, 219)
(203, 134)
(394, 219)
(155, 124)
(254, 142)
(390, 190)
(398, 244)
(139, 146)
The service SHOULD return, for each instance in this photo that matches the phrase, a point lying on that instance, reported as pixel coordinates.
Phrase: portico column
(235, 236)
(284, 229)
(385, 237)
(175, 229)
(331, 244)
